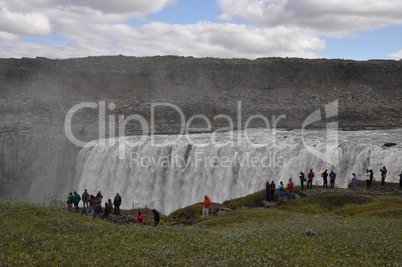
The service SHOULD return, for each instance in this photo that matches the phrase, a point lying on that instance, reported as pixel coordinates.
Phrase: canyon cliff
(37, 159)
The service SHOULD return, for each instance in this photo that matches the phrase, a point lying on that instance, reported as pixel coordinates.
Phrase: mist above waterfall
(176, 175)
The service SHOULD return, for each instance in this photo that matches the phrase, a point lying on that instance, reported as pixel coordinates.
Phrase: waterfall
(168, 177)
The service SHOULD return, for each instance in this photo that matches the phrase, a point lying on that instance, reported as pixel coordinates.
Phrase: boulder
(389, 144)
(223, 211)
(309, 232)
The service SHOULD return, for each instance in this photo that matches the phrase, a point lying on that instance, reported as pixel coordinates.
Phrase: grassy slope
(366, 232)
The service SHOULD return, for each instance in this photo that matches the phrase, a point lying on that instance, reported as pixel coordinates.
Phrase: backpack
(322, 174)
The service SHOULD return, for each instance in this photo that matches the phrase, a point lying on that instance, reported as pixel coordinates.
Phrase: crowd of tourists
(92, 205)
(289, 187)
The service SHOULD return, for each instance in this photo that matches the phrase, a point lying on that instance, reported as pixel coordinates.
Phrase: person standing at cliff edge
(354, 180)
(332, 177)
(400, 180)
(110, 204)
(117, 203)
(290, 188)
(325, 178)
(107, 213)
(281, 192)
(76, 200)
(310, 179)
(157, 217)
(140, 218)
(267, 190)
(85, 199)
(99, 195)
(371, 177)
(302, 179)
(70, 201)
(383, 175)
(272, 191)
(207, 206)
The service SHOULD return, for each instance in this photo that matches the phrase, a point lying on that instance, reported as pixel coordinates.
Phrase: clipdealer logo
(330, 155)
(148, 129)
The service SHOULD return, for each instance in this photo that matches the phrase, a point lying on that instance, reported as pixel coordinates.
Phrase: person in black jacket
(370, 176)
(117, 203)
(272, 191)
(400, 180)
(99, 195)
(156, 217)
(302, 180)
(267, 190)
(325, 179)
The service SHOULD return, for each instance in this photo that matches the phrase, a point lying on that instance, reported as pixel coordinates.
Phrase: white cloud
(15, 23)
(293, 28)
(143, 7)
(100, 28)
(124, 6)
(397, 55)
(201, 40)
(5, 36)
(39, 17)
(336, 18)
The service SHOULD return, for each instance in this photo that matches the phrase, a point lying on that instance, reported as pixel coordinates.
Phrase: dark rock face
(389, 144)
(36, 94)
(44, 90)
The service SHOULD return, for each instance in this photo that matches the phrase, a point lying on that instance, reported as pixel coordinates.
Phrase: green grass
(187, 213)
(348, 205)
(249, 200)
(352, 232)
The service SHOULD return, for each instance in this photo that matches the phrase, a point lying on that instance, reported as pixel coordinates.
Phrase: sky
(345, 29)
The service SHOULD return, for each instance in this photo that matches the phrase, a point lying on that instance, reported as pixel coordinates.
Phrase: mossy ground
(350, 230)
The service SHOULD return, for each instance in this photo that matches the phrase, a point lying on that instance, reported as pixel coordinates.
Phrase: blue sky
(359, 30)
(373, 44)
(189, 12)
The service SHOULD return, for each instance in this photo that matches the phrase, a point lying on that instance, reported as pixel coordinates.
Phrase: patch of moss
(187, 213)
(252, 200)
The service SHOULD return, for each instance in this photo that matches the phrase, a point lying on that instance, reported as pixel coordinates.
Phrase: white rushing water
(170, 177)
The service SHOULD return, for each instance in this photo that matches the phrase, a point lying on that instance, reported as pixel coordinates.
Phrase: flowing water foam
(177, 175)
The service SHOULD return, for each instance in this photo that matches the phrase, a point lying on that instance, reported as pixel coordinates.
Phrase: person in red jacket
(207, 206)
(310, 179)
(290, 188)
(140, 218)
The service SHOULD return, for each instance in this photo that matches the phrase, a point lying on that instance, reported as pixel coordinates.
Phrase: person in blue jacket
(76, 200)
(281, 192)
(332, 177)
